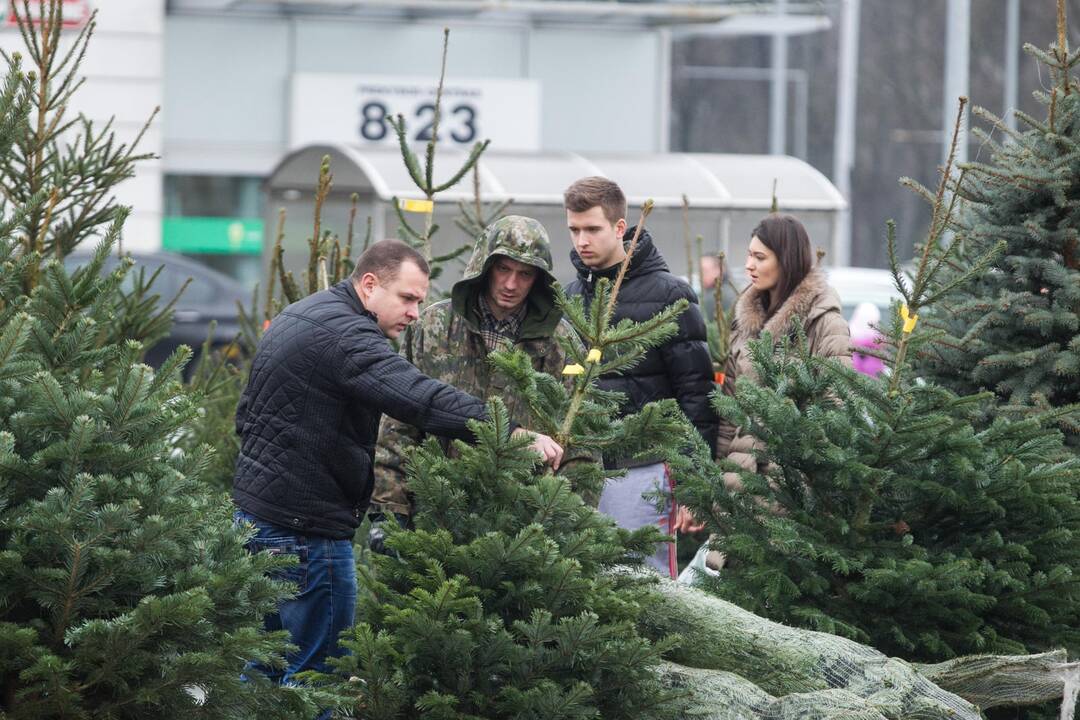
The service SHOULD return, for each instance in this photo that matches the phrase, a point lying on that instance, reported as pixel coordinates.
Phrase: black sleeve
(373, 374)
(241, 412)
(689, 367)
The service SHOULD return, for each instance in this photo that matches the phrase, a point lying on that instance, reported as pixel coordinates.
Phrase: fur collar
(809, 300)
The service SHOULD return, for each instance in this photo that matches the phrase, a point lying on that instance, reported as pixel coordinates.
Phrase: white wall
(124, 72)
(225, 95)
(599, 89)
(227, 79)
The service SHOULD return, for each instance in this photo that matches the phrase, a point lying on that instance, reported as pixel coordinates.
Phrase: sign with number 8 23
(458, 123)
(356, 109)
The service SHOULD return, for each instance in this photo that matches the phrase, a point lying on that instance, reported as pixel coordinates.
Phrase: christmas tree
(1015, 330)
(59, 169)
(887, 513)
(890, 519)
(125, 590)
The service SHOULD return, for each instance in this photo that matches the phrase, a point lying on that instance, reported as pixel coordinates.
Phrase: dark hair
(786, 237)
(384, 259)
(590, 192)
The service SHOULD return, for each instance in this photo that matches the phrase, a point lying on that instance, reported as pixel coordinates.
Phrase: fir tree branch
(686, 239)
(474, 156)
(429, 160)
(411, 162)
(315, 243)
(418, 238)
(645, 210)
(346, 259)
(279, 238)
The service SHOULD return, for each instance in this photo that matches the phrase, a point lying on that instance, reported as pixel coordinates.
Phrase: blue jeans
(325, 602)
(632, 503)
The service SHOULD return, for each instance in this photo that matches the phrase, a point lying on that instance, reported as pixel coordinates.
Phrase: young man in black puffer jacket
(680, 368)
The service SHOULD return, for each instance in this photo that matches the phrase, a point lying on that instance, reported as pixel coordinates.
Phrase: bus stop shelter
(727, 196)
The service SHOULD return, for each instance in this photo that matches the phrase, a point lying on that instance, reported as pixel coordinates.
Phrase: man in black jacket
(680, 368)
(322, 376)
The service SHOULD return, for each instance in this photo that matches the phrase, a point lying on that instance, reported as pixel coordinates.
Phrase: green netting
(996, 680)
(719, 695)
(735, 664)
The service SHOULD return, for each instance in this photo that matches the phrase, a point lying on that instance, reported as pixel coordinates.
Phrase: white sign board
(355, 108)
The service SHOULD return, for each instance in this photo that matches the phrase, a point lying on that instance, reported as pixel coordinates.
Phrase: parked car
(866, 296)
(857, 285)
(210, 296)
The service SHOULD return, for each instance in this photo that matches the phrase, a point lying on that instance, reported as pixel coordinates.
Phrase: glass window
(238, 196)
(201, 211)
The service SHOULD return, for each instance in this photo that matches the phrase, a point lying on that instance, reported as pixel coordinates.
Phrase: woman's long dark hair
(786, 237)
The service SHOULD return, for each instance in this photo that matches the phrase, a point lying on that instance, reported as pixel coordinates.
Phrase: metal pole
(1012, 62)
(778, 90)
(844, 143)
(957, 62)
(663, 91)
(802, 117)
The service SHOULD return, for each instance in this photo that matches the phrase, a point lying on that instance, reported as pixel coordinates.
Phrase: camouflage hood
(518, 238)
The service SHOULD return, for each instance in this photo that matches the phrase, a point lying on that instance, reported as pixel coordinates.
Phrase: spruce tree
(888, 518)
(59, 169)
(125, 590)
(1015, 329)
(424, 179)
(888, 512)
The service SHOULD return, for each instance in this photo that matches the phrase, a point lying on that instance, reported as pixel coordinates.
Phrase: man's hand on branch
(549, 451)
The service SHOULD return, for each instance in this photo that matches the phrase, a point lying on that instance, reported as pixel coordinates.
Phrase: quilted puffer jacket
(322, 377)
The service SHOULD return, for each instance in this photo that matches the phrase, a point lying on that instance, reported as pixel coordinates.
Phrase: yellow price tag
(908, 318)
(573, 369)
(593, 356)
(417, 206)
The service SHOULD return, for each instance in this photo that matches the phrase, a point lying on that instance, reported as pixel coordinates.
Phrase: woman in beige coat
(784, 284)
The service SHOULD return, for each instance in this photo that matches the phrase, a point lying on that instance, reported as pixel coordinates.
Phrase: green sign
(209, 235)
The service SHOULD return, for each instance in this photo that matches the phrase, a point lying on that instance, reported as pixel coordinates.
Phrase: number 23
(467, 132)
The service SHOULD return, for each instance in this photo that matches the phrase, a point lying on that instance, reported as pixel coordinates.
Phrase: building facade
(242, 83)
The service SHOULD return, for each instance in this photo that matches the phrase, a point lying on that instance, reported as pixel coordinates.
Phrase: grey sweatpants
(632, 502)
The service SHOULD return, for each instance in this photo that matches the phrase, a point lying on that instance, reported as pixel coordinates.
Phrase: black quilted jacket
(681, 368)
(308, 419)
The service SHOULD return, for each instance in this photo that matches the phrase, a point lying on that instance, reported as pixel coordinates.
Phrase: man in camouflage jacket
(504, 301)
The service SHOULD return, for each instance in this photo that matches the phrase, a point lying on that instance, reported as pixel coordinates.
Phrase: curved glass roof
(708, 180)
